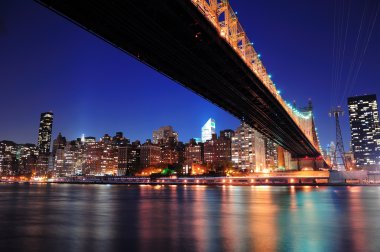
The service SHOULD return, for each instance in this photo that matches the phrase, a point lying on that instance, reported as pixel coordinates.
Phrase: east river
(72, 217)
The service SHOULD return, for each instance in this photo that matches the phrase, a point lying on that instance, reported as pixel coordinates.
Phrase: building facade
(17, 159)
(44, 133)
(128, 159)
(248, 149)
(208, 130)
(193, 153)
(163, 135)
(365, 130)
(150, 154)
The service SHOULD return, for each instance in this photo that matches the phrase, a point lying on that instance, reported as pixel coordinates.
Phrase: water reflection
(188, 218)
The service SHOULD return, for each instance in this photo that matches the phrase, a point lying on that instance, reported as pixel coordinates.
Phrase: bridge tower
(339, 148)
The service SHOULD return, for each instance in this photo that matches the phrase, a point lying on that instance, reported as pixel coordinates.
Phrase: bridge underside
(173, 37)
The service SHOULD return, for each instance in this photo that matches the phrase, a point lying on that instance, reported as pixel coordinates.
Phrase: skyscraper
(44, 133)
(208, 130)
(365, 130)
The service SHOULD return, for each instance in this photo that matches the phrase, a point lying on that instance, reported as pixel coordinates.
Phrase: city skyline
(78, 95)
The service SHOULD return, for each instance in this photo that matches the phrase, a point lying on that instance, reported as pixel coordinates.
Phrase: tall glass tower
(208, 129)
(44, 133)
(365, 130)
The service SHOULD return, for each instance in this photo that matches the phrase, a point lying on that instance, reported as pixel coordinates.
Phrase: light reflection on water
(188, 218)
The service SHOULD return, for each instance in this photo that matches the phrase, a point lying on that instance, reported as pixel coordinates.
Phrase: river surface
(71, 217)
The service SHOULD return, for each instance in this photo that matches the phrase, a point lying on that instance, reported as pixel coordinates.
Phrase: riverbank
(170, 183)
(294, 178)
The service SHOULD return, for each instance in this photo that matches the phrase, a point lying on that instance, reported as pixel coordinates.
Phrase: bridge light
(259, 55)
(278, 91)
(270, 76)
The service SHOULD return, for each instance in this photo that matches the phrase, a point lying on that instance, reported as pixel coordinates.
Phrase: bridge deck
(173, 37)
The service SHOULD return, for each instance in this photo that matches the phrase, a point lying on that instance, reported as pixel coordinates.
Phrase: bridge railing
(224, 19)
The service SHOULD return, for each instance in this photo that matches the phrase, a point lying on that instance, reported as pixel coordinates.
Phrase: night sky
(50, 64)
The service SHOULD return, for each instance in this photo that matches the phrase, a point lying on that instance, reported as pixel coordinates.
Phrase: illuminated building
(209, 150)
(59, 143)
(58, 153)
(71, 153)
(92, 157)
(193, 153)
(217, 151)
(208, 130)
(243, 153)
(271, 155)
(8, 150)
(59, 160)
(223, 146)
(164, 134)
(128, 159)
(109, 154)
(89, 141)
(150, 154)
(44, 133)
(248, 149)
(365, 130)
(119, 139)
(169, 152)
(17, 159)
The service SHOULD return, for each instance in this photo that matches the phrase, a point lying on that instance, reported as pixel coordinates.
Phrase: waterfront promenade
(295, 178)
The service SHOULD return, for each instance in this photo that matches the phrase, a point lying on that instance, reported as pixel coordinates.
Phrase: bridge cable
(356, 51)
(361, 60)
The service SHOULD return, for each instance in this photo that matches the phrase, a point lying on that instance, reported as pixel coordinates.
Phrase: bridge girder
(176, 39)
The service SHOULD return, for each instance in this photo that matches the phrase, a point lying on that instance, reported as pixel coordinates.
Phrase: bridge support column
(308, 163)
(298, 164)
(281, 157)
